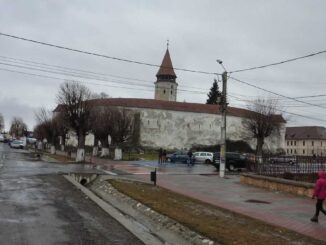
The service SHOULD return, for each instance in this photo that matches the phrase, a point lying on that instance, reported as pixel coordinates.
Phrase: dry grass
(60, 158)
(218, 224)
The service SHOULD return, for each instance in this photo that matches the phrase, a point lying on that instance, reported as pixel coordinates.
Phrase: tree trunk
(105, 147)
(80, 157)
(95, 151)
(52, 149)
(95, 147)
(105, 152)
(117, 154)
(259, 148)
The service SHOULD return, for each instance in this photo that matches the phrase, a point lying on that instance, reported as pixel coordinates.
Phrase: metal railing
(302, 169)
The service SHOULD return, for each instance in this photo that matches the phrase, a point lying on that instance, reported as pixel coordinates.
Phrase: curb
(141, 232)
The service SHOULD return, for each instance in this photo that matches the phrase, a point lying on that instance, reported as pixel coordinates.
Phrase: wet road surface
(38, 206)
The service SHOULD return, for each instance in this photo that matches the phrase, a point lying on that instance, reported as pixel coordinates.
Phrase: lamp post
(223, 128)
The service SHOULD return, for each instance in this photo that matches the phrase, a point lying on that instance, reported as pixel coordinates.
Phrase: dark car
(234, 161)
(283, 159)
(179, 156)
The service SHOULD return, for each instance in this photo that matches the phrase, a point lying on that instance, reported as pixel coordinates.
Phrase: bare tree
(62, 127)
(123, 127)
(101, 95)
(262, 122)
(2, 122)
(47, 127)
(18, 128)
(76, 110)
(103, 122)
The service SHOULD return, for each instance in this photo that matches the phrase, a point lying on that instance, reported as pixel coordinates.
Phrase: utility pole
(224, 105)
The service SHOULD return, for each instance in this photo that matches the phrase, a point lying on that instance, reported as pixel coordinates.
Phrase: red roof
(170, 105)
(166, 66)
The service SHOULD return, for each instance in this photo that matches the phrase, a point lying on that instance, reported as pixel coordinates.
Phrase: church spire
(166, 69)
(166, 85)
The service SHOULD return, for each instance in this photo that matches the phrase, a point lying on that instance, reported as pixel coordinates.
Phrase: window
(295, 143)
(312, 143)
(164, 91)
(287, 151)
(291, 151)
(291, 142)
(287, 142)
(321, 143)
(295, 151)
(303, 151)
(203, 154)
(171, 92)
(312, 151)
(303, 143)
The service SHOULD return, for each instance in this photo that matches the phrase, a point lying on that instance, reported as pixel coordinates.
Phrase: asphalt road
(38, 206)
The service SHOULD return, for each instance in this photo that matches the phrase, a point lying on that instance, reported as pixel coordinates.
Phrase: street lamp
(223, 129)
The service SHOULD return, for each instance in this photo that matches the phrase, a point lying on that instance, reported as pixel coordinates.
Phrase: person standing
(320, 194)
(190, 157)
(160, 155)
(164, 156)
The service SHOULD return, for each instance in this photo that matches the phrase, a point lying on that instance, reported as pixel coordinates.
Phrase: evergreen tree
(213, 94)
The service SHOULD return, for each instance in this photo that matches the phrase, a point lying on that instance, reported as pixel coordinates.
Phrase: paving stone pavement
(280, 209)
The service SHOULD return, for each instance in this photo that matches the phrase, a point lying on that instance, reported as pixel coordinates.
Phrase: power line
(98, 84)
(103, 55)
(287, 112)
(70, 69)
(289, 103)
(281, 95)
(94, 78)
(92, 83)
(280, 62)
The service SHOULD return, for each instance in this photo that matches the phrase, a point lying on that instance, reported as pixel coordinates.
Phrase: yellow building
(305, 141)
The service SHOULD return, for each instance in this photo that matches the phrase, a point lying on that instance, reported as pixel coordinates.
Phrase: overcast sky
(241, 33)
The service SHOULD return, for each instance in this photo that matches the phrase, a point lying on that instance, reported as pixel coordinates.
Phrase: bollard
(153, 176)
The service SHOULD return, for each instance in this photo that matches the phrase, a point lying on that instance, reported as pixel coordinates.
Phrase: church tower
(166, 85)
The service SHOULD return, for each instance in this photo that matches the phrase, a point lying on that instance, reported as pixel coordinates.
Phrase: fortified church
(164, 122)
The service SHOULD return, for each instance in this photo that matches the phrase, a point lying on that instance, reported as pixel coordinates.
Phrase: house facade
(305, 141)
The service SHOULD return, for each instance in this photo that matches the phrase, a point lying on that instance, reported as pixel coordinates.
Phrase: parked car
(179, 156)
(31, 140)
(17, 144)
(203, 157)
(233, 162)
(283, 159)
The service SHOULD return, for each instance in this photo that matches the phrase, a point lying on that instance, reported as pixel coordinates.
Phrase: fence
(301, 169)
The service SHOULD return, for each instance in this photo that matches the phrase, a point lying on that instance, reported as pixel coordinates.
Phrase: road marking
(109, 172)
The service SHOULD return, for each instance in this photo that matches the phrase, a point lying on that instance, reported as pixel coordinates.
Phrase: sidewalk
(279, 209)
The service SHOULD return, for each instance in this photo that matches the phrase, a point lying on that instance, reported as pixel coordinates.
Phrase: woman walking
(320, 193)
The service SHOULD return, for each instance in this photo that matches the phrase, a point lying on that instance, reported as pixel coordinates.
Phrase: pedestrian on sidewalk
(164, 156)
(160, 155)
(320, 194)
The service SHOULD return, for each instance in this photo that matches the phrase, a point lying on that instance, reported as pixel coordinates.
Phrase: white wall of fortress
(178, 130)
(182, 130)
